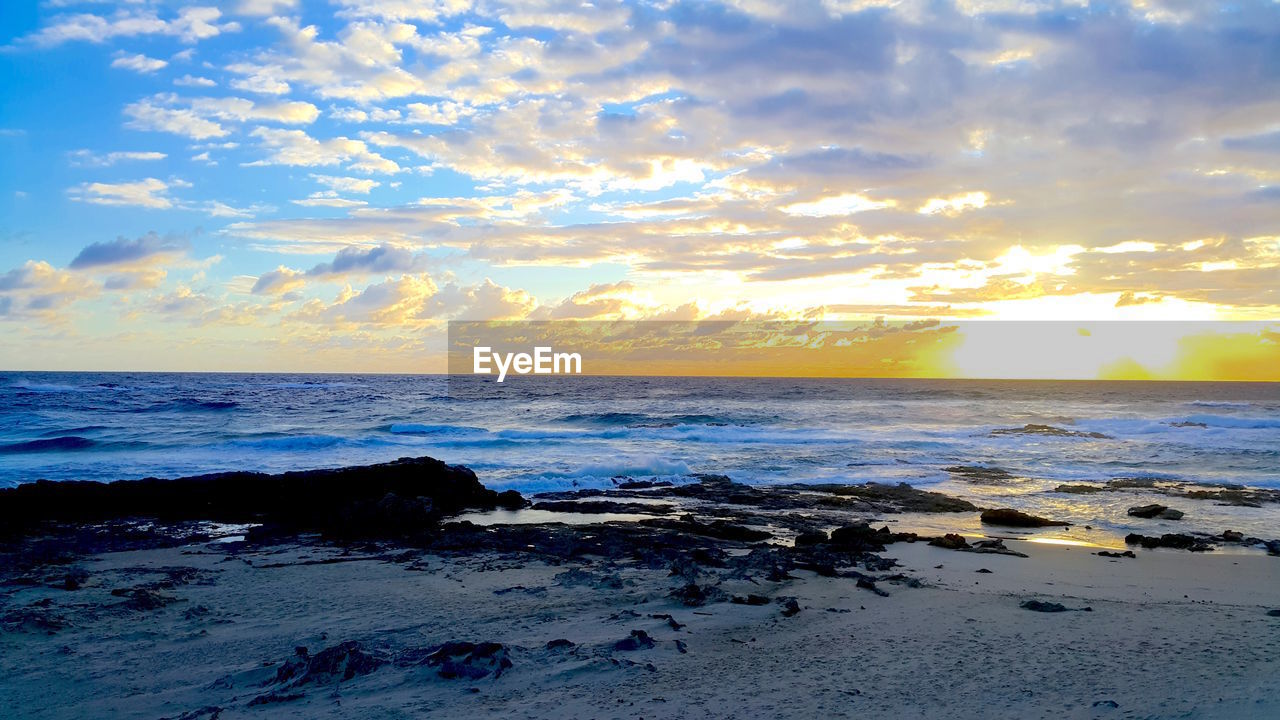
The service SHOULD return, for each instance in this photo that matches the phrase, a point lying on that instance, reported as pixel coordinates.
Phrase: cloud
(362, 186)
(148, 193)
(41, 290)
(295, 147)
(149, 115)
(265, 7)
(88, 158)
(123, 251)
(194, 81)
(955, 204)
(138, 63)
(843, 204)
(278, 281)
(383, 259)
(190, 24)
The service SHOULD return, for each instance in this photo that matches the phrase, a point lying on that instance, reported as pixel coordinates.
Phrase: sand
(1170, 635)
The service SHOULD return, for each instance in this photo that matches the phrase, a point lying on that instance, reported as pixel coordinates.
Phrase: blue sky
(278, 184)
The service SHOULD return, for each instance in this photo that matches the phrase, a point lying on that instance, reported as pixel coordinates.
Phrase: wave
(64, 443)
(189, 405)
(305, 442)
(420, 429)
(1230, 421)
(1219, 404)
(627, 419)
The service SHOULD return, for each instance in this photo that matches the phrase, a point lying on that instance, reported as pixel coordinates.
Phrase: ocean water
(537, 434)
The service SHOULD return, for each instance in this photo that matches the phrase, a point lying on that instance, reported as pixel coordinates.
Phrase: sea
(539, 434)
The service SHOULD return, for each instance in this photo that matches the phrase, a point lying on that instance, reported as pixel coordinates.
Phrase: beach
(711, 608)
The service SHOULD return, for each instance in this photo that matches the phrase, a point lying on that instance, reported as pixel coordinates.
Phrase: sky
(322, 186)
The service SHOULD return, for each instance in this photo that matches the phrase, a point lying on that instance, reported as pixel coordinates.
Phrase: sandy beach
(299, 626)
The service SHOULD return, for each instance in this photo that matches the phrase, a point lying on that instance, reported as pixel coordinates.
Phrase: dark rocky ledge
(387, 499)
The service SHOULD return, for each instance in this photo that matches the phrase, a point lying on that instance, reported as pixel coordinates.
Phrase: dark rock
(1045, 607)
(1177, 541)
(898, 498)
(1275, 612)
(1232, 536)
(604, 506)
(984, 571)
(143, 599)
(560, 644)
(1109, 554)
(1106, 703)
(859, 536)
(469, 661)
(1049, 431)
(341, 662)
(979, 474)
(1079, 489)
(1147, 511)
(1014, 518)
(694, 595)
(789, 606)
(810, 538)
(719, 529)
(643, 484)
(671, 622)
(994, 546)
(639, 640)
(387, 499)
(750, 599)
(950, 541)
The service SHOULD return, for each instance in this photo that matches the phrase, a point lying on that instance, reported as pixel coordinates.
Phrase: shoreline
(722, 600)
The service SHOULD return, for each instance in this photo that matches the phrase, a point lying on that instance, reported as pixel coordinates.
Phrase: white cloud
(147, 193)
(295, 147)
(955, 204)
(88, 158)
(191, 24)
(441, 113)
(147, 115)
(138, 63)
(265, 7)
(362, 186)
(194, 81)
(845, 204)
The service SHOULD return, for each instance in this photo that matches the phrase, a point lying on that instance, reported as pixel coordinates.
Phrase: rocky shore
(408, 587)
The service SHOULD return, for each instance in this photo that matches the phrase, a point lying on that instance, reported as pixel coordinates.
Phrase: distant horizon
(446, 375)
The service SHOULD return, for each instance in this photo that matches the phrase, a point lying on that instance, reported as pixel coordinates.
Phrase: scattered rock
(950, 541)
(559, 644)
(1079, 489)
(1232, 536)
(750, 600)
(1156, 511)
(1015, 518)
(469, 661)
(1050, 607)
(341, 662)
(1109, 554)
(994, 546)
(639, 640)
(789, 606)
(694, 595)
(979, 474)
(1177, 541)
(810, 538)
(1049, 431)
